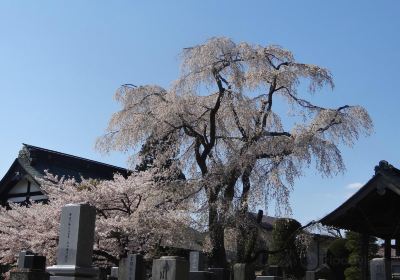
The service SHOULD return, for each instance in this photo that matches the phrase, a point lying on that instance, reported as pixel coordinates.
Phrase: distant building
(20, 183)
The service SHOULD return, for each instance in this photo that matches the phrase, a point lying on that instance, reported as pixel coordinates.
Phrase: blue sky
(61, 62)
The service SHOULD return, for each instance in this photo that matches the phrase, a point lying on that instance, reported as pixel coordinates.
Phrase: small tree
(228, 138)
(289, 252)
(337, 257)
(353, 245)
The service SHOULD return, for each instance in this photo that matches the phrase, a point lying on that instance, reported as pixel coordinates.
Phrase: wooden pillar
(364, 256)
(388, 256)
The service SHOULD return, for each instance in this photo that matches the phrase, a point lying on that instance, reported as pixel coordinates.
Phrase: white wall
(22, 187)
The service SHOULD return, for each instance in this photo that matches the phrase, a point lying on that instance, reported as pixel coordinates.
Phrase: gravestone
(114, 273)
(75, 247)
(377, 269)
(31, 261)
(170, 268)
(131, 268)
(197, 265)
(30, 267)
(197, 261)
(21, 258)
(242, 271)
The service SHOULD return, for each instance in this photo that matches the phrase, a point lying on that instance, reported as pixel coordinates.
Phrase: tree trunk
(216, 229)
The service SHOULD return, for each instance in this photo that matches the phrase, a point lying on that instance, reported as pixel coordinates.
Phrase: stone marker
(29, 260)
(75, 247)
(30, 267)
(377, 269)
(21, 258)
(197, 265)
(242, 271)
(131, 268)
(197, 261)
(114, 272)
(170, 268)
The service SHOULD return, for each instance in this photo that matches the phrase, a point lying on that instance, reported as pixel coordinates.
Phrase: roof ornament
(383, 165)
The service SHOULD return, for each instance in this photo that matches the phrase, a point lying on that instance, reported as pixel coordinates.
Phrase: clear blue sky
(61, 61)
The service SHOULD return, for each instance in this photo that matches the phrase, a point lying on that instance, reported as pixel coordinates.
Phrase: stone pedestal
(75, 247)
(170, 268)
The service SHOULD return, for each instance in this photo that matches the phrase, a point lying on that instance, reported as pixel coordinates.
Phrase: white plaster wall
(20, 187)
(35, 187)
(17, 199)
(38, 197)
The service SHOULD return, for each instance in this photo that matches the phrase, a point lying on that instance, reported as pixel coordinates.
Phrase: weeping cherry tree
(228, 138)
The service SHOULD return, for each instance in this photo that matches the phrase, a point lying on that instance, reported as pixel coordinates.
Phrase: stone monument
(243, 271)
(377, 269)
(30, 267)
(197, 267)
(170, 268)
(131, 268)
(75, 247)
(197, 261)
(114, 273)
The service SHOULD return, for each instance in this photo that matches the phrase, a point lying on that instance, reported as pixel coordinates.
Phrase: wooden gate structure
(374, 210)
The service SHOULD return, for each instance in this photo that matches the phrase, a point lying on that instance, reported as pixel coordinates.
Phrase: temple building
(374, 211)
(20, 184)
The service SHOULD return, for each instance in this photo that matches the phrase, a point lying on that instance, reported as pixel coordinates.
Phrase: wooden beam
(364, 256)
(388, 258)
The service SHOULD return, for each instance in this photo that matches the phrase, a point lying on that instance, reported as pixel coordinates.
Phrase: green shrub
(289, 255)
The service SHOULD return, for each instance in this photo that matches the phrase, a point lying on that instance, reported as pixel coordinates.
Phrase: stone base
(29, 275)
(72, 270)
